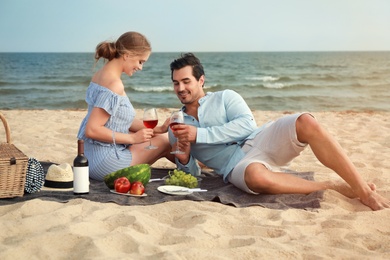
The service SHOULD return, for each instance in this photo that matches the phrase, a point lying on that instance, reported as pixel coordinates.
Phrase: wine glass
(150, 120)
(177, 118)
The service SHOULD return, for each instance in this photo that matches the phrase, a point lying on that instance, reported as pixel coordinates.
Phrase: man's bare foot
(344, 189)
(375, 201)
(372, 200)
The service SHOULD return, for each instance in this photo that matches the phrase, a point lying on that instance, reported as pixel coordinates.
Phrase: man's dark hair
(188, 59)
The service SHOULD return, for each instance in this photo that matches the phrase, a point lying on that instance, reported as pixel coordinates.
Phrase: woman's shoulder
(103, 97)
(117, 87)
(104, 79)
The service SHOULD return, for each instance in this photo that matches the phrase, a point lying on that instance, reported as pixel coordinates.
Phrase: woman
(113, 137)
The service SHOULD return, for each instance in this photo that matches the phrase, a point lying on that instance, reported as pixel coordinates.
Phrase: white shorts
(274, 147)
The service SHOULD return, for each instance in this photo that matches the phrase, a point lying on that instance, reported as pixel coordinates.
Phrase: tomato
(137, 188)
(122, 185)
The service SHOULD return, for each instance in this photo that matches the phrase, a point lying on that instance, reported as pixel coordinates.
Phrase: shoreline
(341, 228)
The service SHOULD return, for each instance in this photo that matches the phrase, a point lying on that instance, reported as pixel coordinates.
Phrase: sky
(197, 25)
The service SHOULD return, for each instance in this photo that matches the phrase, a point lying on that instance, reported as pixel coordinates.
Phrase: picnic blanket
(218, 191)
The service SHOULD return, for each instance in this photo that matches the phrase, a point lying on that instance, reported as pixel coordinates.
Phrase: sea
(268, 81)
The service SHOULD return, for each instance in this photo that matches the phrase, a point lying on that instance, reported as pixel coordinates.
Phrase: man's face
(186, 87)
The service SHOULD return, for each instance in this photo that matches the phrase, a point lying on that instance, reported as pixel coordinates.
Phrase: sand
(80, 229)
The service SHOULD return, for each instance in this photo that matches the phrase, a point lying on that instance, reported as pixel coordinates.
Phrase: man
(220, 132)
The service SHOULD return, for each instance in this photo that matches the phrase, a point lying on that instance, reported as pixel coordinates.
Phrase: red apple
(122, 185)
(137, 188)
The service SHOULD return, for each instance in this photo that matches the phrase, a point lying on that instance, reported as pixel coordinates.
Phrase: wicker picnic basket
(13, 167)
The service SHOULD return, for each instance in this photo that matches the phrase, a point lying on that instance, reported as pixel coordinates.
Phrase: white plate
(129, 194)
(172, 190)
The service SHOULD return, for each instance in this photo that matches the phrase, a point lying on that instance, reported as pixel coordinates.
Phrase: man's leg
(261, 180)
(329, 153)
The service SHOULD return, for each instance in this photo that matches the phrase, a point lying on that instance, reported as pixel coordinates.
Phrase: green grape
(181, 178)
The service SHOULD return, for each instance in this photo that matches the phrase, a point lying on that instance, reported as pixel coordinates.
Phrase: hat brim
(56, 189)
(57, 185)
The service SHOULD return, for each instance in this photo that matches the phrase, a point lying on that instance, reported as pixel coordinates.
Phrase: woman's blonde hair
(132, 43)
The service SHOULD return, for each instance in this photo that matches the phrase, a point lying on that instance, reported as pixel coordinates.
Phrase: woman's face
(134, 63)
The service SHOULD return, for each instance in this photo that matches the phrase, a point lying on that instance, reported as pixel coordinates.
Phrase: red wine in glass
(150, 120)
(173, 124)
(177, 118)
(150, 123)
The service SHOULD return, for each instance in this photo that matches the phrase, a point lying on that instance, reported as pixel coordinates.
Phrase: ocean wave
(279, 85)
(263, 78)
(168, 89)
(293, 78)
(151, 89)
(274, 85)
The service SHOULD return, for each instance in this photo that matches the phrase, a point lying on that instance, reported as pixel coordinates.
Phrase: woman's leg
(142, 155)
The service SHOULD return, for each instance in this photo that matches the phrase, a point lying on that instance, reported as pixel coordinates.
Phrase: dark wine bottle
(80, 171)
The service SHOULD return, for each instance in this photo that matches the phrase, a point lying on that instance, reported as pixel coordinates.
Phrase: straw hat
(59, 178)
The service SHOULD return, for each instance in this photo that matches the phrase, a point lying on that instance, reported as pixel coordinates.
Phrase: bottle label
(81, 179)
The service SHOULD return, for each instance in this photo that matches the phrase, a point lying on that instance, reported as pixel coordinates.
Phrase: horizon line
(202, 51)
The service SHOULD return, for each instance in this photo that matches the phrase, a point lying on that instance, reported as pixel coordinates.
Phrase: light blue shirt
(225, 123)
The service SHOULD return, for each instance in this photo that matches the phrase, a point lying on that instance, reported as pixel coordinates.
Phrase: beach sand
(80, 229)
